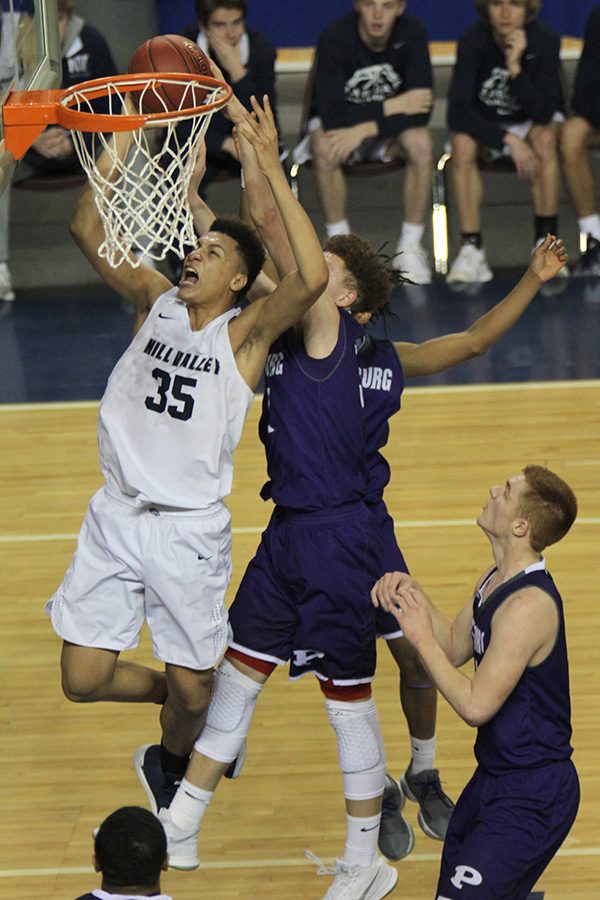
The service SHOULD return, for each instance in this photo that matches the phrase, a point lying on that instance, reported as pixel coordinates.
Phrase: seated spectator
(247, 60)
(85, 55)
(579, 133)
(373, 98)
(130, 850)
(505, 100)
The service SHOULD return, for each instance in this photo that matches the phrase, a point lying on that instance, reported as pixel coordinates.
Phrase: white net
(141, 182)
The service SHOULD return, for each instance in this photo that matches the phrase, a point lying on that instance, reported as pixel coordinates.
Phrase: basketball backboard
(30, 57)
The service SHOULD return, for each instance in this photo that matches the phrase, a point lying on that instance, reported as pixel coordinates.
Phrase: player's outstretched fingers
(248, 128)
(264, 114)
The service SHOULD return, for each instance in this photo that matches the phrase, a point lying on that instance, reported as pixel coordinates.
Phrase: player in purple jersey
(522, 800)
(383, 367)
(305, 596)
(353, 285)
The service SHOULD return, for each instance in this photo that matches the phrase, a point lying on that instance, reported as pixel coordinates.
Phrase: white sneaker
(182, 846)
(356, 883)
(411, 260)
(470, 266)
(6, 289)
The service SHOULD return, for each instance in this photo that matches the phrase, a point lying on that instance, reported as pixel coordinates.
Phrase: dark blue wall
(297, 23)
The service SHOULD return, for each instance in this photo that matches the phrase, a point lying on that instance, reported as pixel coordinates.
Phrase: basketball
(169, 53)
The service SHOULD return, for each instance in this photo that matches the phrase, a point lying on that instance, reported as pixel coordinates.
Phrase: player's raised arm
(140, 286)
(264, 211)
(202, 214)
(262, 135)
(257, 206)
(203, 217)
(441, 353)
(260, 324)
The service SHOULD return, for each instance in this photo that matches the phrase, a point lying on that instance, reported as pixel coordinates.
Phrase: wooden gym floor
(64, 767)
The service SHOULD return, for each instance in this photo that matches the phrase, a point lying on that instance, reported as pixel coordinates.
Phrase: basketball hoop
(140, 185)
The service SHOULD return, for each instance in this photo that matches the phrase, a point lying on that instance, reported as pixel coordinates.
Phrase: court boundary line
(285, 863)
(432, 389)
(258, 529)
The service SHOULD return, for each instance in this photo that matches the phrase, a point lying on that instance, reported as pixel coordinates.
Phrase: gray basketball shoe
(435, 807)
(396, 837)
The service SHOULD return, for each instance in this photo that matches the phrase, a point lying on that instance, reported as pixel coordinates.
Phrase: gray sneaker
(435, 807)
(396, 837)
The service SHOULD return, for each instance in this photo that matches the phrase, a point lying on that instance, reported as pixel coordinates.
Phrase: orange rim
(26, 113)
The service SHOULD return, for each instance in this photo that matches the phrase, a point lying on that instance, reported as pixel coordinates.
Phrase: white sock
(422, 754)
(361, 840)
(189, 805)
(411, 234)
(590, 225)
(341, 227)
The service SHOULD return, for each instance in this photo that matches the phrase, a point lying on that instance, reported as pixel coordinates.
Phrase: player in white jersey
(155, 542)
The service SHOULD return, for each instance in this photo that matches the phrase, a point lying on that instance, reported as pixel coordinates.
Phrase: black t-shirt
(483, 99)
(352, 81)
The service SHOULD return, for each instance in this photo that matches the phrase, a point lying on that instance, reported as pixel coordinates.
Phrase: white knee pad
(360, 747)
(229, 714)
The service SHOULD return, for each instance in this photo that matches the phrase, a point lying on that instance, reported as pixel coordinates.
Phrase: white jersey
(173, 411)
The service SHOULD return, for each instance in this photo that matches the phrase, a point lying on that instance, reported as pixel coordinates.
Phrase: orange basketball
(169, 53)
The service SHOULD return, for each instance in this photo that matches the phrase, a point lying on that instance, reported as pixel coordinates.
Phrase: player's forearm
(264, 212)
(488, 329)
(300, 232)
(85, 225)
(442, 629)
(202, 214)
(456, 687)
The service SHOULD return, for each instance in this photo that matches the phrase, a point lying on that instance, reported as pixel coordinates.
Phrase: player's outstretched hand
(399, 594)
(386, 588)
(259, 130)
(548, 258)
(412, 614)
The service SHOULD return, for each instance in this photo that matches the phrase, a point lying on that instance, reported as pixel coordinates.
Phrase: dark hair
(249, 247)
(205, 8)
(549, 505)
(368, 273)
(532, 8)
(130, 848)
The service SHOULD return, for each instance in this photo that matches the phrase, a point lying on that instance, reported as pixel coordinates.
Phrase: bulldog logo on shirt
(495, 94)
(372, 84)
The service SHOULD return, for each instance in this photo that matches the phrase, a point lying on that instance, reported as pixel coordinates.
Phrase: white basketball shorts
(170, 567)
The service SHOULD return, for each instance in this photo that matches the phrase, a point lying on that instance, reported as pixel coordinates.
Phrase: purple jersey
(312, 423)
(533, 726)
(382, 383)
